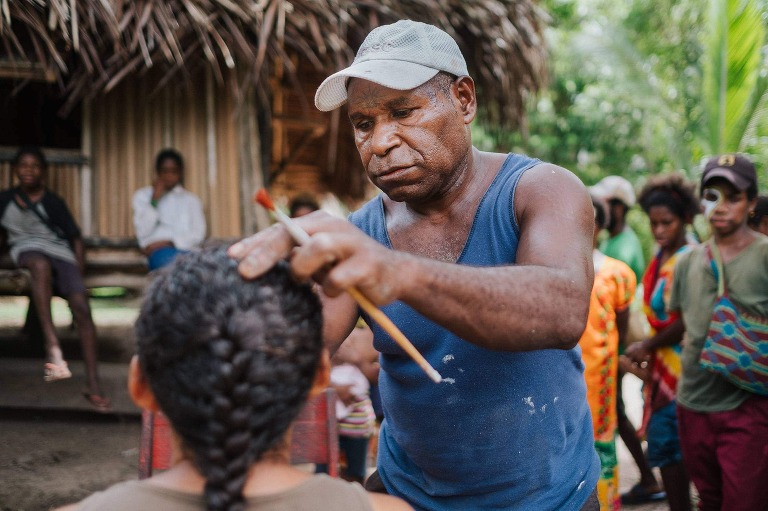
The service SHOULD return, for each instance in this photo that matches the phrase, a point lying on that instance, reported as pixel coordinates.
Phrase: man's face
(29, 171)
(412, 143)
(169, 173)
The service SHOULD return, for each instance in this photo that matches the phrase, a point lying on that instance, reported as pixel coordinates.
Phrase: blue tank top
(503, 430)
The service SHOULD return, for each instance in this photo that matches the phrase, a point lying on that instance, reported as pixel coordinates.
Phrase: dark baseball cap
(737, 169)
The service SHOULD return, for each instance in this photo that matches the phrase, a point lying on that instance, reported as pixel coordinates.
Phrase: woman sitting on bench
(230, 363)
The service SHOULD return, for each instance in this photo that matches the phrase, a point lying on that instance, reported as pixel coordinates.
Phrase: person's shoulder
(115, 497)
(366, 209)
(548, 179)
(383, 502)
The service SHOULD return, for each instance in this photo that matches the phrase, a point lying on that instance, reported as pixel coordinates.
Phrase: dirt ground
(51, 457)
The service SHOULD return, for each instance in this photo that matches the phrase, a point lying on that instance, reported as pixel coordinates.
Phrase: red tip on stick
(262, 197)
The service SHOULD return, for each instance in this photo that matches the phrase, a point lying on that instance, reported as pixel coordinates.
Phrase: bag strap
(47, 221)
(716, 262)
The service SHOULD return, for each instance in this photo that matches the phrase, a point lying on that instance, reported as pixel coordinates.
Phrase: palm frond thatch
(92, 45)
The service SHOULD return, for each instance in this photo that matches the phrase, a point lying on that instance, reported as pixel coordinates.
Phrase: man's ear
(323, 374)
(139, 389)
(465, 93)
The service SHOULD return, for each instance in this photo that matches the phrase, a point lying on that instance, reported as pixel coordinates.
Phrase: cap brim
(394, 74)
(741, 183)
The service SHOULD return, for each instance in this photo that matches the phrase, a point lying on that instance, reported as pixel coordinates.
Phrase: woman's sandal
(100, 404)
(56, 372)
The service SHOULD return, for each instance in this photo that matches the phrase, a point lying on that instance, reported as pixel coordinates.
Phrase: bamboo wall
(129, 125)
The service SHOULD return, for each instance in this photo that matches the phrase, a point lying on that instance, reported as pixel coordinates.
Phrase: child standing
(723, 428)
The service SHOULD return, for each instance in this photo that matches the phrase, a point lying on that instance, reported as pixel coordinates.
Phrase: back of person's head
(302, 204)
(672, 191)
(760, 211)
(230, 362)
(169, 154)
(30, 150)
(602, 212)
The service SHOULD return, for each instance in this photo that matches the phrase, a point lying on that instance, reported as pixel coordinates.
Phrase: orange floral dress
(612, 293)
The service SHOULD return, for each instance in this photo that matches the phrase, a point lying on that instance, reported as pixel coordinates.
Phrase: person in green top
(622, 242)
(723, 429)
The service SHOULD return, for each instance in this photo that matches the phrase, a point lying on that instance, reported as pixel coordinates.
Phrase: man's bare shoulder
(546, 185)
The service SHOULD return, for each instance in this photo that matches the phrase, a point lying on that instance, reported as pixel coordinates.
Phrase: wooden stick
(300, 237)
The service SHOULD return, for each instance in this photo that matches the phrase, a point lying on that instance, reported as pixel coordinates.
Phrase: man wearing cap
(723, 428)
(622, 243)
(483, 260)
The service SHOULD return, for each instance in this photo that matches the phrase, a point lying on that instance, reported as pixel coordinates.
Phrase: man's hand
(337, 256)
(638, 353)
(158, 190)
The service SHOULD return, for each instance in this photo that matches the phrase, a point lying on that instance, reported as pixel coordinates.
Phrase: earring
(752, 214)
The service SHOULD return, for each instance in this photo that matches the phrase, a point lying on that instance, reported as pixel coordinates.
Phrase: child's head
(758, 218)
(670, 203)
(728, 191)
(230, 362)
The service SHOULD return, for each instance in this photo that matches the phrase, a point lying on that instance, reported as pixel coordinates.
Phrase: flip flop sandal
(100, 404)
(56, 372)
(639, 495)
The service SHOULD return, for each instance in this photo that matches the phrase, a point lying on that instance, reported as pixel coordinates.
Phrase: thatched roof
(92, 48)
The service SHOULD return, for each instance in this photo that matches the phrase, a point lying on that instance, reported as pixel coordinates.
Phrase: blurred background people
(623, 244)
(670, 203)
(45, 239)
(607, 324)
(168, 219)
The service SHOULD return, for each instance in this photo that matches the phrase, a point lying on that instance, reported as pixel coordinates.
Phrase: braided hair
(672, 191)
(230, 362)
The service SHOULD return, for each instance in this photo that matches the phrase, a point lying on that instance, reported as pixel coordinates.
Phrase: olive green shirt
(318, 492)
(694, 293)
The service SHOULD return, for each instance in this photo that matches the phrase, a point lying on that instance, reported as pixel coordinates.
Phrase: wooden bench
(109, 262)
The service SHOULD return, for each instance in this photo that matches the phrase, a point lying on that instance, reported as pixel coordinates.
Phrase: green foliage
(735, 36)
(640, 87)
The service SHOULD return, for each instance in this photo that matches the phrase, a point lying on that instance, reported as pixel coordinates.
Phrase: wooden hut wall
(128, 127)
(312, 152)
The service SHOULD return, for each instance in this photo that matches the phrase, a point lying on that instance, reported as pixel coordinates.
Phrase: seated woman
(230, 363)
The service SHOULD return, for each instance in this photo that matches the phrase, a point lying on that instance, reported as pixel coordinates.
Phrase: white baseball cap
(399, 56)
(615, 187)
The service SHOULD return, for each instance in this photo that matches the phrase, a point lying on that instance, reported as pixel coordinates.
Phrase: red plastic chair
(315, 437)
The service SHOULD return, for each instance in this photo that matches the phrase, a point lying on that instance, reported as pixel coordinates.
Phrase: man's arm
(540, 302)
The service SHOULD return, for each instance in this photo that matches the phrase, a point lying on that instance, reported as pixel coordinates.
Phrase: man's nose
(384, 138)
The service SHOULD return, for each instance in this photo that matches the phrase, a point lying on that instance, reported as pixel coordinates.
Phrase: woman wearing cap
(723, 428)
